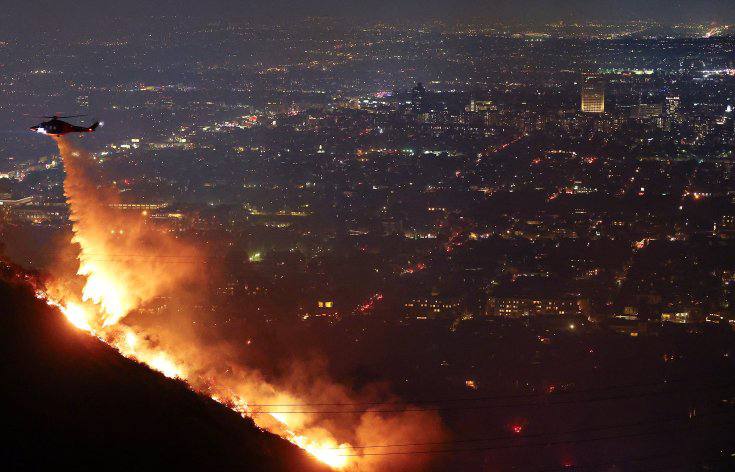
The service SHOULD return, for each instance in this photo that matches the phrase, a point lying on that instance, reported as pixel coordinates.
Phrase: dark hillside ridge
(70, 402)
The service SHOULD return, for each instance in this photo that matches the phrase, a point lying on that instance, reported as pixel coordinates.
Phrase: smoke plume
(123, 266)
(121, 256)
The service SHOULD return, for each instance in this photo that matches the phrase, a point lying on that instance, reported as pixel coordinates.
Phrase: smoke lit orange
(118, 260)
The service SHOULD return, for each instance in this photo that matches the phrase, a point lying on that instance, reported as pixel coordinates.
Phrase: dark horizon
(90, 12)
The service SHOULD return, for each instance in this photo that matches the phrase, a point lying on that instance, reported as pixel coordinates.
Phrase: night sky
(43, 12)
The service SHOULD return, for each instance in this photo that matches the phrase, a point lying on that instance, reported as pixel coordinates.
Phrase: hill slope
(70, 401)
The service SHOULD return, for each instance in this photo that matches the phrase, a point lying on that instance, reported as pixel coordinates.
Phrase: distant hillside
(69, 402)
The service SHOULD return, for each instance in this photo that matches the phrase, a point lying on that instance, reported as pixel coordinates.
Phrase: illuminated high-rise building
(646, 111)
(673, 110)
(478, 106)
(418, 97)
(593, 95)
(673, 103)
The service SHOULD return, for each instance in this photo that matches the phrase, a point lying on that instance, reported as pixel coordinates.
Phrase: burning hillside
(71, 402)
(122, 266)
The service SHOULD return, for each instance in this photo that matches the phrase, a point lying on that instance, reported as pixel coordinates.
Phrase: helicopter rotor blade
(64, 116)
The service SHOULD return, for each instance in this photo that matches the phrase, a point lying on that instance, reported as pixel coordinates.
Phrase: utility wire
(504, 405)
(535, 435)
(671, 453)
(483, 398)
(532, 445)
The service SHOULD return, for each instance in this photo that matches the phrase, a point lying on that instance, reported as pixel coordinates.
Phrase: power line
(167, 258)
(699, 463)
(103, 257)
(535, 435)
(505, 405)
(540, 444)
(671, 453)
(483, 398)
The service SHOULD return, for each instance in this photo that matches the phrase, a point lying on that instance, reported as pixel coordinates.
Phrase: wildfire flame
(77, 316)
(130, 344)
(118, 263)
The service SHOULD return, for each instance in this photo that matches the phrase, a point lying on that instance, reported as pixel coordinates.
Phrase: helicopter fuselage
(57, 127)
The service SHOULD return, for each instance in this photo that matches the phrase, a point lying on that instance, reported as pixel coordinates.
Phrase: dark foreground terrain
(70, 402)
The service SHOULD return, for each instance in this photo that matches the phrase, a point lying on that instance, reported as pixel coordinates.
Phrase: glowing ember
(329, 452)
(74, 313)
(77, 316)
(101, 290)
(165, 366)
(131, 339)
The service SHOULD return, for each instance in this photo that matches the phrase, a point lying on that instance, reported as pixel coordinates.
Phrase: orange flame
(117, 284)
(118, 261)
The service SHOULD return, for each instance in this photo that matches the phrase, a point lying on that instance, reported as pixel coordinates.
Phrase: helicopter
(57, 127)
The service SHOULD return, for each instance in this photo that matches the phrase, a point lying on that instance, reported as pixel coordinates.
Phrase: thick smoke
(121, 258)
